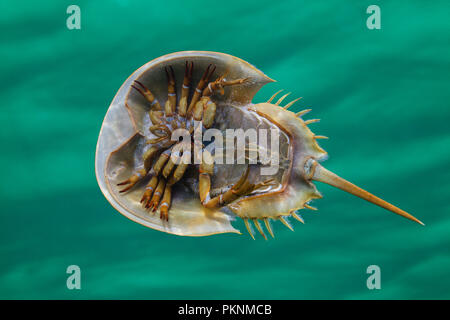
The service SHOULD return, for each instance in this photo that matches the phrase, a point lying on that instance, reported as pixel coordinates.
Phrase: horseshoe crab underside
(127, 137)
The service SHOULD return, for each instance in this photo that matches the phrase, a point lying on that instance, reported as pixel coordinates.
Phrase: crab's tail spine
(323, 175)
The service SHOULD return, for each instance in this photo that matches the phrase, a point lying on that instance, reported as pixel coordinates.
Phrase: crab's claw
(319, 173)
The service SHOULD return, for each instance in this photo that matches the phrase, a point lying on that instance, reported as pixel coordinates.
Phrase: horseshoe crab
(150, 174)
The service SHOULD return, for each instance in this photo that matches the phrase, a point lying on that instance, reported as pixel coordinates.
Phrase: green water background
(383, 97)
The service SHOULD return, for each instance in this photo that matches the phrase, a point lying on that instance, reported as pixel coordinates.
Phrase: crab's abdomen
(295, 189)
(239, 122)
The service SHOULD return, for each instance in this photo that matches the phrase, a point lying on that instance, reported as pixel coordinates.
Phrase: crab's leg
(209, 107)
(138, 175)
(151, 186)
(198, 110)
(181, 168)
(206, 170)
(157, 187)
(172, 96)
(165, 165)
(131, 181)
(165, 203)
(180, 158)
(205, 111)
(160, 130)
(178, 173)
(182, 108)
(200, 86)
(209, 113)
(156, 140)
(153, 205)
(149, 156)
(148, 95)
(241, 188)
(174, 124)
(156, 117)
(160, 163)
(219, 84)
(168, 168)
